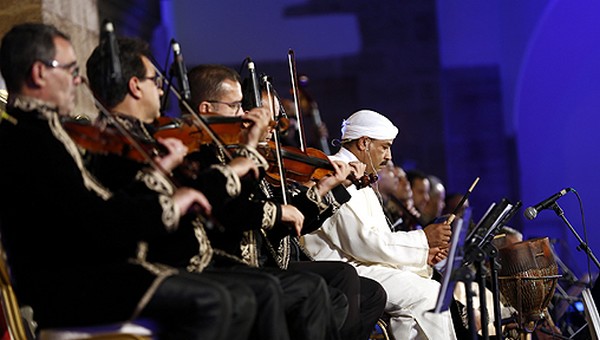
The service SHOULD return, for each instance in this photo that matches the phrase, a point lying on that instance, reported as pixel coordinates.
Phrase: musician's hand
(292, 217)
(177, 151)
(188, 198)
(441, 255)
(357, 169)
(342, 170)
(242, 166)
(438, 235)
(434, 256)
(259, 118)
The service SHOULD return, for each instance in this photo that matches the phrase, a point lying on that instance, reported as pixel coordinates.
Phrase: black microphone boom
(531, 212)
(179, 65)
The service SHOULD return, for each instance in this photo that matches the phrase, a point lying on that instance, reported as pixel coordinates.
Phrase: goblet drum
(527, 278)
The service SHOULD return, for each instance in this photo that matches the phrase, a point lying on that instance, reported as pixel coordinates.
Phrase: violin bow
(294, 84)
(256, 92)
(276, 139)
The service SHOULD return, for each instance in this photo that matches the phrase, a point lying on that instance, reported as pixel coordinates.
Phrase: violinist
(317, 200)
(359, 233)
(70, 240)
(254, 215)
(186, 247)
(260, 243)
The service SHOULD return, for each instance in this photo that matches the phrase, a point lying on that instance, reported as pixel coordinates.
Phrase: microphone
(110, 41)
(257, 101)
(531, 212)
(179, 65)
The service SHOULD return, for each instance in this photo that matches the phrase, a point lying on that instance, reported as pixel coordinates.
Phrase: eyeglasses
(233, 105)
(157, 79)
(71, 67)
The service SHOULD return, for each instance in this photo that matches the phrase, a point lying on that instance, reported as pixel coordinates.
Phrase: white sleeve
(359, 229)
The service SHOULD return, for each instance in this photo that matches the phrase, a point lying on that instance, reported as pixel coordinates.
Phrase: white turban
(370, 124)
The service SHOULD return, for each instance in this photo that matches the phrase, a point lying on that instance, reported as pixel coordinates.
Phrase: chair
(381, 330)
(139, 330)
(10, 305)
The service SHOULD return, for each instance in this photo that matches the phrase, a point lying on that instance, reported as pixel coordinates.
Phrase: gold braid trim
(233, 185)
(284, 252)
(313, 195)
(231, 257)
(205, 250)
(269, 215)
(157, 182)
(160, 270)
(49, 112)
(248, 248)
(170, 212)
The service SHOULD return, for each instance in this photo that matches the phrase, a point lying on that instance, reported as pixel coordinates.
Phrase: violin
(102, 139)
(227, 128)
(303, 167)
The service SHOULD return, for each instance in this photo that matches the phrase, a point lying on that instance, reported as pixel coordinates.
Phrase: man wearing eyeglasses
(57, 73)
(136, 104)
(313, 310)
(72, 243)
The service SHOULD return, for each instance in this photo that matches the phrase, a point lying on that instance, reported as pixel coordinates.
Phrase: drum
(527, 277)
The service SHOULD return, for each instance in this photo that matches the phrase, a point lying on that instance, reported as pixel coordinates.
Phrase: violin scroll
(363, 181)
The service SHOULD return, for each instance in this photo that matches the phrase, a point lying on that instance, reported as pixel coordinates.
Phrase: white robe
(358, 233)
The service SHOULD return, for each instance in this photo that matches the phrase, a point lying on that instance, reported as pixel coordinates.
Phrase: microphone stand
(481, 273)
(465, 274)
(492, 253)
(590, 315)
(582, 245)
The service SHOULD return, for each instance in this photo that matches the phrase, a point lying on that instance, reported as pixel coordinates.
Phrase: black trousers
(270, 320)
(366, 298)
(309, 309)
(190, 306)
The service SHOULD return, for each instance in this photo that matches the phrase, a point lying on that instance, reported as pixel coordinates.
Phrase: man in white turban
(359, 234)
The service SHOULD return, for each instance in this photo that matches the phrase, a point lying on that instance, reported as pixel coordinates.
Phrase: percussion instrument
(528, 277)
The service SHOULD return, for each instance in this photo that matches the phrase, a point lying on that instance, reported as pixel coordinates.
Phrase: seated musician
(359, 234)
(70, 240)
(213, 88)
(136, 105)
